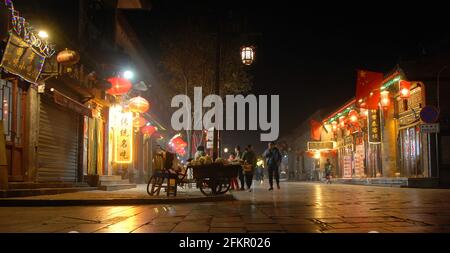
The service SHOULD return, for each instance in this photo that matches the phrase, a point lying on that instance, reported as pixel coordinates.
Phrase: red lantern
(148, 130)
(119, 86)
(140, 121)
(353, 116)
(385, 101)
(405, 89)
(139, 104)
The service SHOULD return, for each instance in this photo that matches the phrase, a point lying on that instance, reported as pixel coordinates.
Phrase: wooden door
(13, 104)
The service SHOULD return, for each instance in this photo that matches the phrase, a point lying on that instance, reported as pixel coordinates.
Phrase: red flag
(367, 82)
(316, 127)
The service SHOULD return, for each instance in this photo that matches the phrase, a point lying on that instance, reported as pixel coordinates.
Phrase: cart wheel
(210, 187)
(149, 185)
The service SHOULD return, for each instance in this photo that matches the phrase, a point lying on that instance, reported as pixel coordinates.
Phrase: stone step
(110, 178)
(117, 182)
(30, 185)
(117, 187)
(41, 191)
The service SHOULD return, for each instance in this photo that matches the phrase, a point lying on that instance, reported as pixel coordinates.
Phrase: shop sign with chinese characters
(124, 138)
(21, 59)
(374, 126)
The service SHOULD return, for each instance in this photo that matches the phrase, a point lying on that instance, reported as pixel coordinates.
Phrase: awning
(70, 103)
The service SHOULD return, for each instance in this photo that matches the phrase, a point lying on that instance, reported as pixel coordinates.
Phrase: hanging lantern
(342, 121)
(178, 144)
(139, 122)
(385, 99)
(247, 55)
(139, 104)
(334, 125)
(148, 130)
(353, 116)
(405, 89)
(68, 57)
(363, 113)
(119, 86)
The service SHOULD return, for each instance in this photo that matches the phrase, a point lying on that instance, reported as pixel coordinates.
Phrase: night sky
(308, 54)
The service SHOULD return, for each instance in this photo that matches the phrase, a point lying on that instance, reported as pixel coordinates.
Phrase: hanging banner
(374, 126)
(21, 59)
(124, 138)
(348, 166)
(359, 160)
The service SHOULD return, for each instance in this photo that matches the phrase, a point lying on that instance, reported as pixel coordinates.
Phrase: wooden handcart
(214, 179)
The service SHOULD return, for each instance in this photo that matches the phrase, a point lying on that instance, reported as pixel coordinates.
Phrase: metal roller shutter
(58, 143)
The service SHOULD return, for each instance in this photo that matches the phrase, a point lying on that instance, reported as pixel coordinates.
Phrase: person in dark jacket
(273, 158)
(238, 157)
(249, 158)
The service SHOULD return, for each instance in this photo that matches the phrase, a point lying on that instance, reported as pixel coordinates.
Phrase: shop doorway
(13, 106)
(411, 150)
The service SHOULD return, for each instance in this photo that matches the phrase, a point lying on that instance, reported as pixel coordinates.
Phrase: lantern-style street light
(247, 55)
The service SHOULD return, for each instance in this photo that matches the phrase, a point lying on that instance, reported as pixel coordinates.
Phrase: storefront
(411, 143)
(59, 140)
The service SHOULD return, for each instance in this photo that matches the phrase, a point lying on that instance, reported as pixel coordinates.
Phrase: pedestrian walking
(273, 157)
(233, 181)
(249, 158)
(259, 171)
(328, 171)
(239, 154)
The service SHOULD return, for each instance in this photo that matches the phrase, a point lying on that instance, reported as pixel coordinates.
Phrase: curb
(109, 202)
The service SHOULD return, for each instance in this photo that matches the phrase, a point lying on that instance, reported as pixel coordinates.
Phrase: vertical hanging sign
(124, 138)
(374, 126)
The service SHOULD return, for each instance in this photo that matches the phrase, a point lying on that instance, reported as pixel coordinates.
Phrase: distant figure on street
(328, 170)
(233, 181)
(239, 154)
(259, 171)
(249, 158)
(200, 152)
(273, 158)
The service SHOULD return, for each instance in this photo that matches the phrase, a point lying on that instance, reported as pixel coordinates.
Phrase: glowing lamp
(317, 155)
(364, 113)
(405, 89)
(353, 116)
(334, 126)
(385, 99)
(139, 104)
(342, 121)
(119, 86)
(247, 55)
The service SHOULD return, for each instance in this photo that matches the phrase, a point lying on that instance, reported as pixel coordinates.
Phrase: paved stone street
(297, 207)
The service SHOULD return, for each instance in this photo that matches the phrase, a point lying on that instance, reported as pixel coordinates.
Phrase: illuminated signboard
(124, 138)
(320, 145)
(374, 126)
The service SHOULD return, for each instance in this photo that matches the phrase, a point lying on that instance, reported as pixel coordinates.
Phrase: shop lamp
(334, 125)
(317, 155)
(364, 113)
(385, 99)
(353, 116)
(405, 89)
(342, 121)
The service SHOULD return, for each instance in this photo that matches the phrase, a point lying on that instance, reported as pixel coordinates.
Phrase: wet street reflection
(296, 207)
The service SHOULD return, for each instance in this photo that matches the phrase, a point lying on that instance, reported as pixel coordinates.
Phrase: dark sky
(309, 54)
